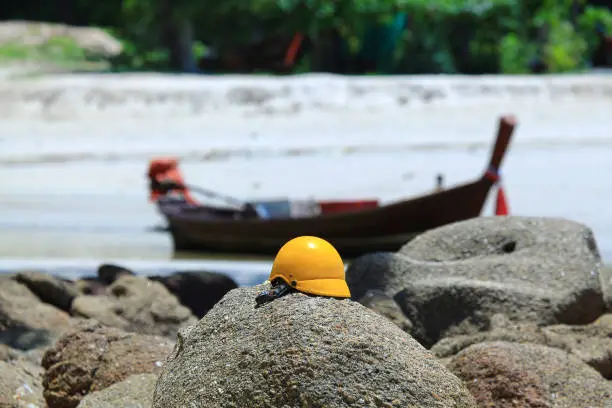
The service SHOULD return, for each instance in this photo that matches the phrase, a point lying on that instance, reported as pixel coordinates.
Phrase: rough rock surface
(385, 306)
(300, 350)
(137, 304)
(95, 357)
(50, 289)
(25, 321)
(543, 270)
(135, 391)
(20, 384)
(502, 374)
(591, 343)
(199, 291)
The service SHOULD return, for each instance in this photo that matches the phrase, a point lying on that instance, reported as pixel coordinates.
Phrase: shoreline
(82, 96)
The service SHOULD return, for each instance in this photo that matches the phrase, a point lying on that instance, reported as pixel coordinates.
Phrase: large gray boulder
(456, 277)
(301, 351)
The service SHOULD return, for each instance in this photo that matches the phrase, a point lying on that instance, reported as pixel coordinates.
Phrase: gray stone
(25, 321)
(93, 357)
(543, 270)
(606, 285)
(50, 289)
(135, 391)
(385, 306)
(592, 343)
(501, 374)
(304, 351)
(108, 273)
(198, 290)
(20, 384)
(136, 304)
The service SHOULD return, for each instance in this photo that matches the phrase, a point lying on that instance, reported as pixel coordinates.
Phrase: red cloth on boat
(501, 203)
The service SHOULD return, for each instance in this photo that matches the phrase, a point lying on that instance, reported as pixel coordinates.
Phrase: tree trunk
(178, 38)
(184, 46)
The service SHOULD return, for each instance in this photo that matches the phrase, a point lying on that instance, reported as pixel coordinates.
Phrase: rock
(91, 39)
(502, 374)
(606, 285)
(386, 306)
(90, 286)
(517, 333)
(50, 289)
(301, 350)
(108, 273)
(591, 343)
(199, 291)
(6, 352)
(102, 308)
(136, 391)
(136, 304)
(94, 357)
(33, 356)
(453, 278)
(20, 384)
(25, 321)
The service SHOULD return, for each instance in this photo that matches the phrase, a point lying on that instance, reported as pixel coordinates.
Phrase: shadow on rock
(199, 291)
(455, 278)
(49, 289)
(136, 304)
(26, 321)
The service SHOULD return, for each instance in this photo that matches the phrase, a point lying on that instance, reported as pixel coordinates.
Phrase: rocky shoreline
(494, 311)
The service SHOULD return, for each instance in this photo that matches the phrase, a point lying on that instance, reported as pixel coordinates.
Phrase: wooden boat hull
(352, 232)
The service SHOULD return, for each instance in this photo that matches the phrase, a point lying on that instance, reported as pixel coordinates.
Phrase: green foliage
(58, 51)
(443, 36)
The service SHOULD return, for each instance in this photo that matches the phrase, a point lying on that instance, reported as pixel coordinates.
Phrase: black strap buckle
(278, 290)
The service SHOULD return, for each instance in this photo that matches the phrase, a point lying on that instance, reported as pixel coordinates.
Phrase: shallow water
(77, 194)
(117, 221)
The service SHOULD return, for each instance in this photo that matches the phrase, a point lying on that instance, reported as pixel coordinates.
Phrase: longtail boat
(353, 227)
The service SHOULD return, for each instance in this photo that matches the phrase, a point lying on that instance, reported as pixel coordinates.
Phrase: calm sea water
(74, 193)
(92, 212)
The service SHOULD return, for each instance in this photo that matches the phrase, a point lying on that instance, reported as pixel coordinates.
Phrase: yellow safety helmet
(311, 265)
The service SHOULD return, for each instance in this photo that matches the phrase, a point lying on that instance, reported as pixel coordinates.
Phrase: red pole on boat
(507, 124)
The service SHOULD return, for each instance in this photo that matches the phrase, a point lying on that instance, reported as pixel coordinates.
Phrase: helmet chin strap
(279, 289)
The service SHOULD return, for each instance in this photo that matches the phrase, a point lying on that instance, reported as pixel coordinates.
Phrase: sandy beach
(74, 148)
